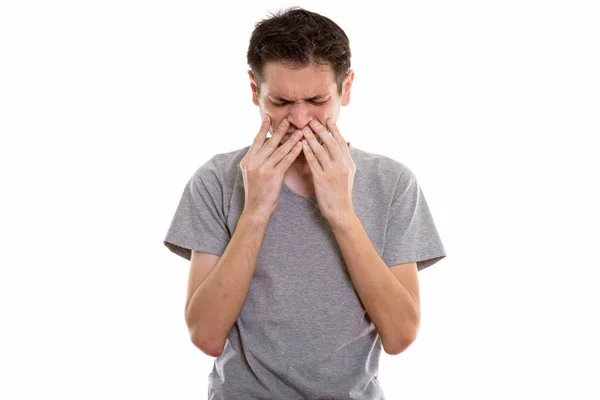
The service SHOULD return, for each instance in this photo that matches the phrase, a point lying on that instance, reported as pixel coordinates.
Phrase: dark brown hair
(299, 38)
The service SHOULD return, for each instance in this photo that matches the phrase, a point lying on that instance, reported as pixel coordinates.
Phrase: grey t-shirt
(303, 332)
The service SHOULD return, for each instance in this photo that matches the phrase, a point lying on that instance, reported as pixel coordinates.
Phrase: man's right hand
(264, 166)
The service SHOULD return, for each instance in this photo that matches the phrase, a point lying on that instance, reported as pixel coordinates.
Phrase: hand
(332, 169)
(264, 165)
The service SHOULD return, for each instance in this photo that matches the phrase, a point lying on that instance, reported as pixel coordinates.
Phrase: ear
(253, 87)
(346, 87)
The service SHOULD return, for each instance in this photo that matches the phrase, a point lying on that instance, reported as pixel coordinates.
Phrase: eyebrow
(319, 96)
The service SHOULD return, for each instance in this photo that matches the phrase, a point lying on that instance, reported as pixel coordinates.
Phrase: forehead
(280, 80)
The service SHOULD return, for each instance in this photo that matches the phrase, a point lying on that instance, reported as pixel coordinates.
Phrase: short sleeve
(411, 233)
(199, 222)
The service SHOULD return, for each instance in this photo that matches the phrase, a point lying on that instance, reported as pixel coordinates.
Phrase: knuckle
(263, 172)
(251, 167)
(282, 127)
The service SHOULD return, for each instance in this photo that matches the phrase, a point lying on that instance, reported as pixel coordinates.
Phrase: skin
(298, 86)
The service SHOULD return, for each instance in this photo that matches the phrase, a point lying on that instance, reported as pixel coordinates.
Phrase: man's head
(299, 68)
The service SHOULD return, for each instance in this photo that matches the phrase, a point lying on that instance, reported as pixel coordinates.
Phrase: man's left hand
(332, 169)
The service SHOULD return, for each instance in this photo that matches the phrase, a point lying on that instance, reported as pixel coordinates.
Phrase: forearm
(217, 302)
(388, 303)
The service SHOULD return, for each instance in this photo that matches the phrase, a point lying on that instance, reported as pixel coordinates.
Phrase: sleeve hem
(184, 249)
(423, 260)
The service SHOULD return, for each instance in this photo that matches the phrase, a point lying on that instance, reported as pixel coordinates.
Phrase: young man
(304, 249)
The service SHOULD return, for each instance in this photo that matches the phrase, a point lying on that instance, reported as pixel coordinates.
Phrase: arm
(384, 292)
(390, 295)
(216, 303)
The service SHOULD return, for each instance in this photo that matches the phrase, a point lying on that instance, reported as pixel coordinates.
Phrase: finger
(331, 144)
(281, 130)
(284, 149)
(290, 157)
(337, 135)
(319, 151)
(311, 159)
(335, 132)
(260, 138)
(271, 146)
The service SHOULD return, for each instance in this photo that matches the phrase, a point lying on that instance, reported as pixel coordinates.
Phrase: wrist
(256, 217)
(341, 219)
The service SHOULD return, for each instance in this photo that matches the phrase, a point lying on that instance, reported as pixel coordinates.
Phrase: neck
(300, 167)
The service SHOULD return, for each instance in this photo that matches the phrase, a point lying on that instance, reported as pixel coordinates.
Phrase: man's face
(300, 95)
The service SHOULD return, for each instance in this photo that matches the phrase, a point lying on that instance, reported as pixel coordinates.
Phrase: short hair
(299, 38)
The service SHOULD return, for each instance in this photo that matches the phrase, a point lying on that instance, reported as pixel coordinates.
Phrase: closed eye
(285, 103)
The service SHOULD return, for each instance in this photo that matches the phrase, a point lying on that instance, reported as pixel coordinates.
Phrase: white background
(107, 108)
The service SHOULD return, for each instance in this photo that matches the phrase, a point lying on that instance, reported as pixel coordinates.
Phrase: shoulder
(378, 168)
(222, 167)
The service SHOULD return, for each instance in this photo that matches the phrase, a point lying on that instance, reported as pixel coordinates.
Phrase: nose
(299, 115)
